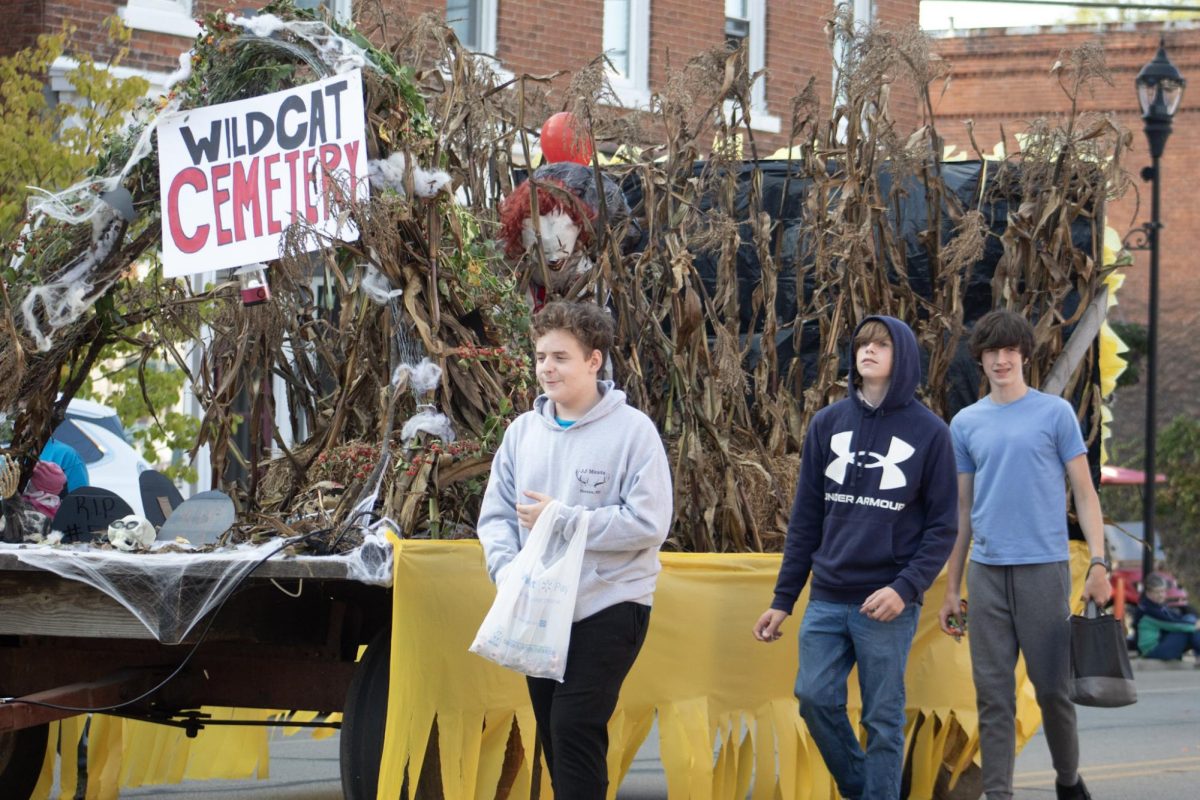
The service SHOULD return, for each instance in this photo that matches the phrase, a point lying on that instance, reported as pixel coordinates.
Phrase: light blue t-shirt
(1018, 452)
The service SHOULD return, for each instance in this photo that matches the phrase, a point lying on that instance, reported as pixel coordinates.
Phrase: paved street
(1150, 751)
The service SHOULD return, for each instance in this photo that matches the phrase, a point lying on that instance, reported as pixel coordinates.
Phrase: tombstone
(159, 496)
(86, 513)
(201, 519)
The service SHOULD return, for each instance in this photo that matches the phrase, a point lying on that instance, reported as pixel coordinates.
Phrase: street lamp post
(1159, 89)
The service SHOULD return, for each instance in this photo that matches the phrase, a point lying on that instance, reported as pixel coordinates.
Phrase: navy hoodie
(877, 500)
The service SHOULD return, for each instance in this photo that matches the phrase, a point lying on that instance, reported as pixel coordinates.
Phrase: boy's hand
(951, 616)
(884, 605)
(528, 513)
(1097, 587)
(767, 627)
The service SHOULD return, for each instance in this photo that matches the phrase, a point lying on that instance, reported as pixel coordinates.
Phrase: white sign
(233, 177)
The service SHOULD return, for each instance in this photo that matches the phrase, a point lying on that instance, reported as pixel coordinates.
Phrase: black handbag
(1100, 671)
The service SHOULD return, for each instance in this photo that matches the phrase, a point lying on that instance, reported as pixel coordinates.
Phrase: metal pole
(1148, 486)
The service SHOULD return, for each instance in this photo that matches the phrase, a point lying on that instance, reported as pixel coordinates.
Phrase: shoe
(1077, 792)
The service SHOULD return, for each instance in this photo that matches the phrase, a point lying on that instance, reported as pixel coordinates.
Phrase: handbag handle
(1092, 611)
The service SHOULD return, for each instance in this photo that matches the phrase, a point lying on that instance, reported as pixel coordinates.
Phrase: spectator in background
(72, 465)
(1163, 632)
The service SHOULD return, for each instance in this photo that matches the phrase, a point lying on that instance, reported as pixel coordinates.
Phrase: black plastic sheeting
(783, 197)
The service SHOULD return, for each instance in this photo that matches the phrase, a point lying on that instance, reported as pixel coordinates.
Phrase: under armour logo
(898, 452)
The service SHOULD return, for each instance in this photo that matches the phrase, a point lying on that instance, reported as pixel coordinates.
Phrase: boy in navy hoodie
(873, 522)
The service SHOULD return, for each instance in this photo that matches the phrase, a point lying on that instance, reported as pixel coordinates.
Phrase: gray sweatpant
(1024, 607)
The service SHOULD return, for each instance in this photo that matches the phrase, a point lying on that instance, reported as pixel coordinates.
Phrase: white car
(97, 435)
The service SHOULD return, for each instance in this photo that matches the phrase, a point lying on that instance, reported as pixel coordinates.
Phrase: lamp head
(1159, 86)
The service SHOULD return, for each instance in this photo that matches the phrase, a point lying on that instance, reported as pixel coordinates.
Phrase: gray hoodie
(611, 461)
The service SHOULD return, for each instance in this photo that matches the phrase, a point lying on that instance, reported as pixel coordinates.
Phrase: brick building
(643, 38)
(1002, 78)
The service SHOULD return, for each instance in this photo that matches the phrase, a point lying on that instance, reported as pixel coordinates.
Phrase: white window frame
(756, 58)
(342, 10)
(633, 90)
(172, 17)
(488, 11)
(64, 90)
(864, 13)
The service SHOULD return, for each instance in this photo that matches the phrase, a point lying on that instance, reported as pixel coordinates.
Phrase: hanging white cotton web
(169, 592)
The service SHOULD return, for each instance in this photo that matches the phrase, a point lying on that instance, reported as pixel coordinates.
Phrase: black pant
(572, 716)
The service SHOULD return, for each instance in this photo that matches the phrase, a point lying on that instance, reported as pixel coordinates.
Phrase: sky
(937, 15)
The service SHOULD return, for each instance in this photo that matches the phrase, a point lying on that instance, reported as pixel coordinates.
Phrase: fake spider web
(170, 592)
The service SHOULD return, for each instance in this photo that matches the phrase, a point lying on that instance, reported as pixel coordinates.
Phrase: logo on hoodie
(892, 477)
(591, 480)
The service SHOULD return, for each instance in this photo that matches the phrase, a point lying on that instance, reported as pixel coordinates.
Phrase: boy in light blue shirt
(1015, 450)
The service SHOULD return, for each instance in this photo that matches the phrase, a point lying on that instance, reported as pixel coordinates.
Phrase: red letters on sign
(331, 156)
(193, 177)
(309, 179)
(291, 157)
(220, 197)
(245, 198)
(244, 195)
(270, 184)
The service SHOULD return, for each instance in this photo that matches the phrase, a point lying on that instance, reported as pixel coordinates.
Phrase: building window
(173, 17)
(339, 8)
(627, 45)
(474, 23)
(864, 11)
(746, 25)
(737, 23)
(864, 14)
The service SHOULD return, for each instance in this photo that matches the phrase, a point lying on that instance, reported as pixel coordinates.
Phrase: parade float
(326, 229)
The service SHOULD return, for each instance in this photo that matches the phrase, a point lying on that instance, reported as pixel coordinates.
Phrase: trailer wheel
(363, 720)
(22, 753)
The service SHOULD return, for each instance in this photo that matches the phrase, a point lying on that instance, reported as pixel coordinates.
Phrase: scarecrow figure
(569, 213)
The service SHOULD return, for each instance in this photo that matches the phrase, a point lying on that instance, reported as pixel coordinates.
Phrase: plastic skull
(131, 533)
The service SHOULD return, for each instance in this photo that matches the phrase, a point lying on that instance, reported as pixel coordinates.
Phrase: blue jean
(1173, 644)
(833, 637)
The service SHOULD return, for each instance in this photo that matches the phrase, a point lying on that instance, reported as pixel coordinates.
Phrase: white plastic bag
(528, 627)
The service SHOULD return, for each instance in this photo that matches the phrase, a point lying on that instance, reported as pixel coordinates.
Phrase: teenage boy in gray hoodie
(584, 447)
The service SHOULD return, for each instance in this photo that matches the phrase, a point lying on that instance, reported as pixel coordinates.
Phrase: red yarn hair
(514, 210)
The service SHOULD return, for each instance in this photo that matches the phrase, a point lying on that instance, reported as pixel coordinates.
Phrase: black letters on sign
(86, 513)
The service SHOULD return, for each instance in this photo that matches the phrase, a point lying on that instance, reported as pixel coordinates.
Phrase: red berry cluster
(507, 361)
(435, 450)
(351, 460)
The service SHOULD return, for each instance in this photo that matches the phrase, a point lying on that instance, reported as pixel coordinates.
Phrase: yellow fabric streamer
(1112, 360)
(125, 753)
(711, 685)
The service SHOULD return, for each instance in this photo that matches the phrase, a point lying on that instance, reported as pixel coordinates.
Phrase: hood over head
(906, 365)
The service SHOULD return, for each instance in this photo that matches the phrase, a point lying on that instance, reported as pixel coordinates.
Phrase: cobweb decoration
(337, 52)
(65, 299)
(427, 420)
(169, 592)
